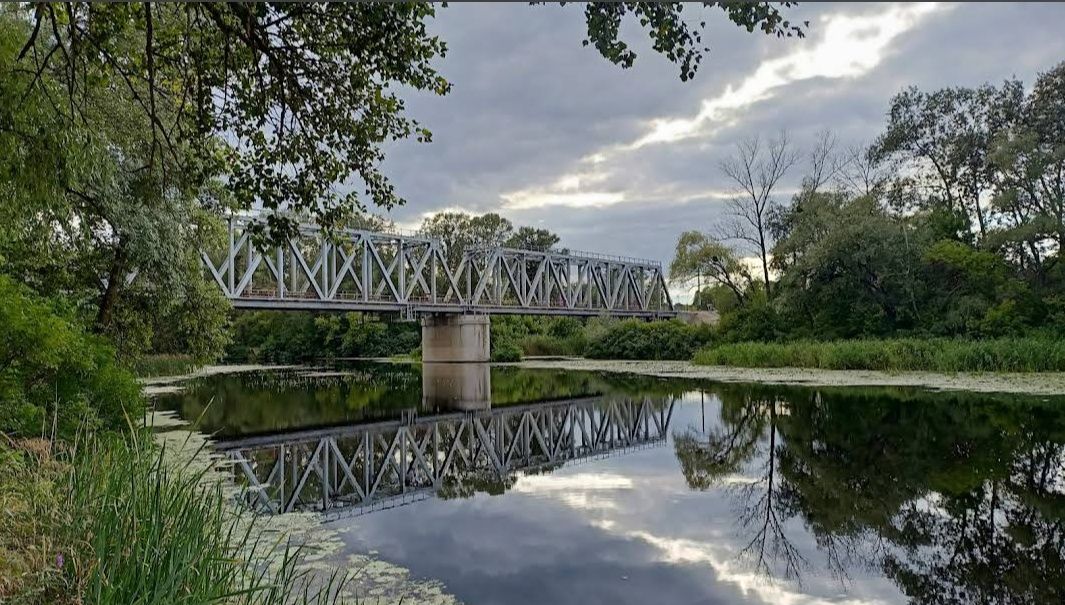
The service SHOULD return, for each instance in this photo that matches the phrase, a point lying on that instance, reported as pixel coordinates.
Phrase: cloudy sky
(548, 133)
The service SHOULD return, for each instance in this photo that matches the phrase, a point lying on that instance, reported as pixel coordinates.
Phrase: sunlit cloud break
(524, 200)
(841, 46)
(850, 46)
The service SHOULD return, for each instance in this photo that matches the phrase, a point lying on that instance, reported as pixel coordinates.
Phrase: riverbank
(1025, 383)
(1043, 383)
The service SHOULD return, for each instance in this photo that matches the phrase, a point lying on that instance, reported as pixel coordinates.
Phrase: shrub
(505, 350)
(164, 365)
(546, 344)
(294, 337)
(54, 376)
(636, 339)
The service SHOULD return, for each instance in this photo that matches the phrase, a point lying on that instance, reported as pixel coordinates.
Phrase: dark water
(573, 487)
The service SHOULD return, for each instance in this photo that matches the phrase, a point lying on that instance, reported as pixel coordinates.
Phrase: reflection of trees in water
(998, 542)
(766, 509)
(471, 483)
(956, 498)
(256, 402)
(748, 432)
(267, 401)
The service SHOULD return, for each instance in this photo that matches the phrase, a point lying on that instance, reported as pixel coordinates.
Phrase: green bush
(636, 339)
(758, 322)
(936, 355)
(54, 376)
(295, 337)
(536, 335)
(505, 350)
(549, 345)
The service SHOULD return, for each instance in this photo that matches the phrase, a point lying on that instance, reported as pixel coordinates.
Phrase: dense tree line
(950, 224)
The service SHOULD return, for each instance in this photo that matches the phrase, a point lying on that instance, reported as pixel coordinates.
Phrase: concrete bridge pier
(453, 338)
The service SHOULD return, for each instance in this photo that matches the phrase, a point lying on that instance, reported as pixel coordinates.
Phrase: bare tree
(825, 163)
(861, 173)
(755, 171)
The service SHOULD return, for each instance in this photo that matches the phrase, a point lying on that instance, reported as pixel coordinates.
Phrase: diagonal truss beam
(358, 270)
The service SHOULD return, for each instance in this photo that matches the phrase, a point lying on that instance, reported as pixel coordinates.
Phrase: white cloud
(528, 199)
(850, 46)
(583, 491)
(589, 492)
(750, 583)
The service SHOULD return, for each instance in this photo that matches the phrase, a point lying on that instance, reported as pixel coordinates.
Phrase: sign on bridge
(385, 272)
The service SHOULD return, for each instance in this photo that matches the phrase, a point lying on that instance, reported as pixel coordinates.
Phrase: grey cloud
(529, 102)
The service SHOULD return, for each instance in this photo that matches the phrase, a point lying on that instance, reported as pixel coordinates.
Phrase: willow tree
(699, 256)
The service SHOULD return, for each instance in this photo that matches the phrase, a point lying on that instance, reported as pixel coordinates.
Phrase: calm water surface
(527, 486)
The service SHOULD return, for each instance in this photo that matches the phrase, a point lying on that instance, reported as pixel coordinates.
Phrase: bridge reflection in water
(351, 470)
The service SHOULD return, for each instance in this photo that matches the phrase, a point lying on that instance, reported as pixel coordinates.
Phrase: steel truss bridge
(359, 270)
(356, 469)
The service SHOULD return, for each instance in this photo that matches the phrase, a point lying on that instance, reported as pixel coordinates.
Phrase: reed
(904, 354)
(149, 366)
(113, 521)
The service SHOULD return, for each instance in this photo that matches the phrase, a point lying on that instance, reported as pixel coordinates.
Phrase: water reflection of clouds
(585, 491)
(722, 560)
(643, 498)
(627, 526)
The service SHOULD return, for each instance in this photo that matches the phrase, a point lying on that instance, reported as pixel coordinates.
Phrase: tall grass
(539, 345)
(114, 522)
(934, 355)
(149, 366)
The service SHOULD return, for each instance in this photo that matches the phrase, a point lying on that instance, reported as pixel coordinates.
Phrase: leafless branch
(755, 171)
(860, 173)
(824, 163)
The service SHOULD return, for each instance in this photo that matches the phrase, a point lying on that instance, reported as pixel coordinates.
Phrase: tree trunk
(765, 269)
(115, 278)
(979, 217)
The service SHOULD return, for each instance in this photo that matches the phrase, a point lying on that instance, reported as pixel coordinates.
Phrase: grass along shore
(1032, 354)
(112, 520)
(153, 366)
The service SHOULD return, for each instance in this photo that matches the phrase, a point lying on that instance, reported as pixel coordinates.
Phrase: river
(519, 486)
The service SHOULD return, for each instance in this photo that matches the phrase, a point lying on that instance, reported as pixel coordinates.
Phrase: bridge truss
(411, 274)
(357, 469)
